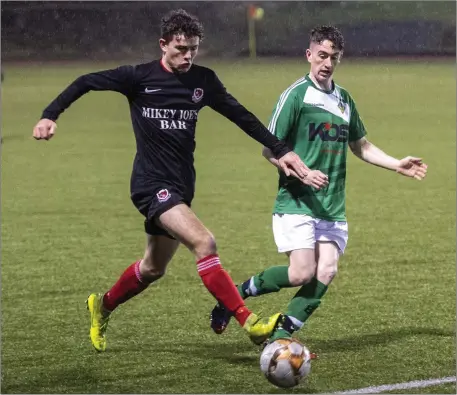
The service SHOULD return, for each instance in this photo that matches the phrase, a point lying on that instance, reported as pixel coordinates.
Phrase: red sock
(219, 283)
(129, 284)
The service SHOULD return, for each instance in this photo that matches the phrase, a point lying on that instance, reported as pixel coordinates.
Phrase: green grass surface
(69, 228)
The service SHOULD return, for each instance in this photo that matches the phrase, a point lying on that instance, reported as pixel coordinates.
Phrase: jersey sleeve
(284, 115)
(356, 127)
(119, 80)
(225, 104)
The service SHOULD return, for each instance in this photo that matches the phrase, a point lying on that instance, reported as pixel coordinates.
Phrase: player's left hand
(291, 161)
(412, 167)
(44, 129)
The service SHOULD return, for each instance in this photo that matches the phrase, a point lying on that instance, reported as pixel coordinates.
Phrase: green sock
(302, 305)
(279, 333)
(270, 280)
(305, 301)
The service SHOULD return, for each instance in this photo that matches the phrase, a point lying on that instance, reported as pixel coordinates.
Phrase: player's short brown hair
(325, 32)
(180, 22)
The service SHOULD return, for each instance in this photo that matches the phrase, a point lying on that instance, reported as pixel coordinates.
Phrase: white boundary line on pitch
(400, 386)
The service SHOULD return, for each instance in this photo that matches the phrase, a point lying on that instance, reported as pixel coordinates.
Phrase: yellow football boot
(259, 330)
(98, 321)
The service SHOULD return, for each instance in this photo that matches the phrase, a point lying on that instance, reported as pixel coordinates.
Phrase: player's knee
(205, 246)
(153, 274)
(149, 271)
(301, 276)
(327, 271)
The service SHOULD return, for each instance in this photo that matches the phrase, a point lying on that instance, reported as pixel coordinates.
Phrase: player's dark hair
(325, 32)
(180, 22)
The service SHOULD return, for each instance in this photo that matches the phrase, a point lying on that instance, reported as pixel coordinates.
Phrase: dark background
(48, 30)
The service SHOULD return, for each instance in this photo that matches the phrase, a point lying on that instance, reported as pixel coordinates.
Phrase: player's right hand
(44, 129)
(314, 178)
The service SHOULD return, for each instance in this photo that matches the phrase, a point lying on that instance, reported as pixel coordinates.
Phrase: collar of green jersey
(316, 87)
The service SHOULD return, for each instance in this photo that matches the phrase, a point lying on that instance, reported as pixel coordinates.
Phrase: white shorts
(297, 231)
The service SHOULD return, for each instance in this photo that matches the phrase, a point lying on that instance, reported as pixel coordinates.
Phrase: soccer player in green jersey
(319, 119)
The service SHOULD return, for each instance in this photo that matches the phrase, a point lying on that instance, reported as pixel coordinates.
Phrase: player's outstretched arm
(118, 80)
(410, 166)
(314, 178)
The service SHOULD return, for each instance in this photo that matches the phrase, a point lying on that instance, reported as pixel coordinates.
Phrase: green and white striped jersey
(318, 125)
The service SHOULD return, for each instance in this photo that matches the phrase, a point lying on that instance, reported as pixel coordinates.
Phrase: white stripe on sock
(209, 261)
(252, 288)
(297, 323)
(200, 269)
(202, 264)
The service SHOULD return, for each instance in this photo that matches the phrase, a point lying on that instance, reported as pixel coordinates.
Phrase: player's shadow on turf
(238, 353)
(368, 340)
(67, 380)
(302, 388)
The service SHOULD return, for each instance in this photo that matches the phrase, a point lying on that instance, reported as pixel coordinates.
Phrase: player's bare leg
(182, 223)
(138, 276)
(302, 266)
(327, 256)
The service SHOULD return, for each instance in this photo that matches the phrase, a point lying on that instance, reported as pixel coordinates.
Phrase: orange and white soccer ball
(285, 362)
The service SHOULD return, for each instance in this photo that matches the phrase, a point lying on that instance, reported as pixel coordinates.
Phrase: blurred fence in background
(102, 30)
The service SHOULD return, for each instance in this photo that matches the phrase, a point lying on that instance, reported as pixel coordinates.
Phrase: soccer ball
(285, 362)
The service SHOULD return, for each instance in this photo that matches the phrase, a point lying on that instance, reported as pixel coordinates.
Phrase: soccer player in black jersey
(165, 97)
